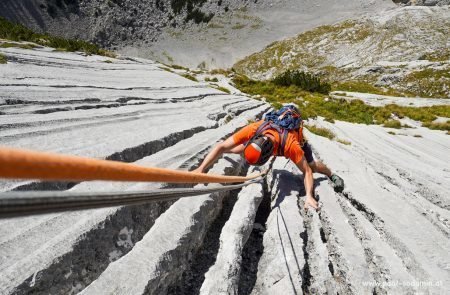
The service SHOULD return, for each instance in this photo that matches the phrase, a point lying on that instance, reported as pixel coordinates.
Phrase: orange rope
(26, 164)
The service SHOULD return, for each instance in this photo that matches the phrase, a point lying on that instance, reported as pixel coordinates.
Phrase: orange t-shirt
(292, 149)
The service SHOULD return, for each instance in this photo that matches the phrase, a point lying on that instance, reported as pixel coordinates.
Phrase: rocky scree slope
(220, 32)
(424, 2)
(406, 49)
(385, 234)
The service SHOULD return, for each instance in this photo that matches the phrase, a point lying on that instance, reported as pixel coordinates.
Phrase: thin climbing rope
(15, 204)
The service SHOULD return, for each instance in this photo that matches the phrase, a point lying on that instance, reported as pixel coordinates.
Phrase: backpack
(285, 119)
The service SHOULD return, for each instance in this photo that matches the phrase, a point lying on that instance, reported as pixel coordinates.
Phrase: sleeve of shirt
(295, 153)
(246, 133)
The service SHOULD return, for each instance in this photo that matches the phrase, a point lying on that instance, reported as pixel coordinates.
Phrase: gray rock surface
(282, 267)
(67, 251)
(223, 276)
(161, 256)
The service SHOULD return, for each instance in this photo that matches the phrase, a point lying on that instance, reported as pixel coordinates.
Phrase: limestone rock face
(386, 233)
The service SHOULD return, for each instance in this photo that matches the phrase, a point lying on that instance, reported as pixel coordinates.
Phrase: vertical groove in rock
(194, 275)
(253, 249)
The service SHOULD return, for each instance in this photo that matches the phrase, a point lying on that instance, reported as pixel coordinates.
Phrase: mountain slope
(171, 30)
(406, 48)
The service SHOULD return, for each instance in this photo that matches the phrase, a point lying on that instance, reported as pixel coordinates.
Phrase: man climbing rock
(280, 134)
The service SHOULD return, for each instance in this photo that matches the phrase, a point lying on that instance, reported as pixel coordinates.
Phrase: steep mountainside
(387, 233)
(219, 32)
(405, 48)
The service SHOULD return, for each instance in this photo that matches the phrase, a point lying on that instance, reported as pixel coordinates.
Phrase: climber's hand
(311, 202)
(198, 170)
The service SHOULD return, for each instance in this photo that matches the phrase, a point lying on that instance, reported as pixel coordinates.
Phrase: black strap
(263, 127)
(282, 133)
(283, 138)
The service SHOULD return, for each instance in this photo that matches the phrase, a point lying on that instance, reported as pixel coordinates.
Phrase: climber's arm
(309, 183)
(216, 152)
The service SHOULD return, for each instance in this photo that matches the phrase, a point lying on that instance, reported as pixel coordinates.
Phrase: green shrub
(199, 16)
(3, 59)
(392, 124)
(178, 5)
(18, 32)
(321, 131)
(305, 81)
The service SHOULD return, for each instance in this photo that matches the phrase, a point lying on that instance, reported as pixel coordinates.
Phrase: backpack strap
(263, 127)
(283, 133)
(283, 138)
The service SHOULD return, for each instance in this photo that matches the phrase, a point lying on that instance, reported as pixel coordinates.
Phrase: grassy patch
(166, 69)
(3, 59)
(438, 55)
(169, 58)
(108, 61)
(438, 126)
(365, 87)
(392, 124)
(17, 45)
(429, 82)
(343, 141)
(214, 79)
(392, 133)
(220, 72)
(417, 135)
(238, 26)
(354, 111)
(178, 67)
(321, 131)
(18, 32)
(223, 89)
(190, 77)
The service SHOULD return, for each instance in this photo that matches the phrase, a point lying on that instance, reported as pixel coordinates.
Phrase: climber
(280, 134)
